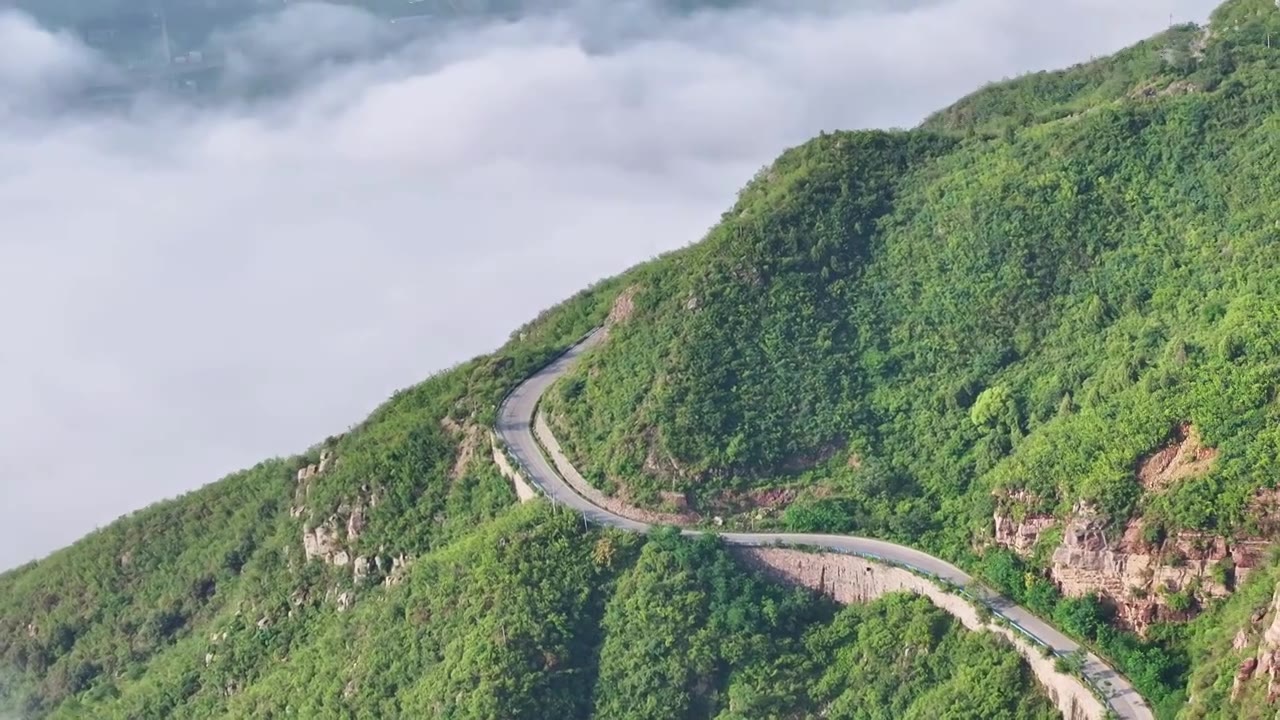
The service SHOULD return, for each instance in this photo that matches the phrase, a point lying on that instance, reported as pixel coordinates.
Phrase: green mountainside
(1004, 313)
(964, 312)
(1009, 311)
(431, 593)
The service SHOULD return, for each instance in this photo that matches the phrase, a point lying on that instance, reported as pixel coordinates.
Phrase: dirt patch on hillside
(469, 438)
(624, 306)
(657, 461)
(1183, 457)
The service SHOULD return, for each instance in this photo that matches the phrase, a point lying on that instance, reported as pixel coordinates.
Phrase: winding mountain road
(515, 428)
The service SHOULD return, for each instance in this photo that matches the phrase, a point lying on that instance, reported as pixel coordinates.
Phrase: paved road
(515, 427)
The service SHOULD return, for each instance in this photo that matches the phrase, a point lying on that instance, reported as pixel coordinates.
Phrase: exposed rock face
(1266, 662)
(470, 437)
(1243, 674)
(848, 579)
(1021, 536)
(355, 523)
(1241, 640)
(324, 543)
(332, 540)
(1147, 579)
(1183, 457)
(399, 566)
(360, 570)
(623, 307)
(1269, 652)
(1142, 578)
(327, 460)
(305, 476)
(321, 542)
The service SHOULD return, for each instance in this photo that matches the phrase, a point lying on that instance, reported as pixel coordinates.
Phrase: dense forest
(1024, 302)
(1005, 312)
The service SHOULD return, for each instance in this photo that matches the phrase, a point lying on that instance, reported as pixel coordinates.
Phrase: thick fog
(188, 289)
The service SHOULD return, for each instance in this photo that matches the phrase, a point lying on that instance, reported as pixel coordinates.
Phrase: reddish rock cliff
(1148, 581)
(1262, 665)
(1147, 577)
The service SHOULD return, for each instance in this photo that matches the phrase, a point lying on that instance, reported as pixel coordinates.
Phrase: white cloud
(186, 291)
(36, 65)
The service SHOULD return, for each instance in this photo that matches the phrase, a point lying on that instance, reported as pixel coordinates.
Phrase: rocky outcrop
(355, 523)
(1018, 525)
(325, 543)
(333, 540)
(1264, 664)
(1147, 577)
(1021, 536)
(1148, 581)
(306, 476)
(399, 567)
(327, 460)
(849, 579)
(360, 571)
(321, 542)
(1269, 652)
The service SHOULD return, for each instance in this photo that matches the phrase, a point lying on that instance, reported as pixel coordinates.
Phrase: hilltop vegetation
(916, 319)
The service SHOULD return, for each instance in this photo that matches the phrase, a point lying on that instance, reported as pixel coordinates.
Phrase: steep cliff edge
(1144, 573)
